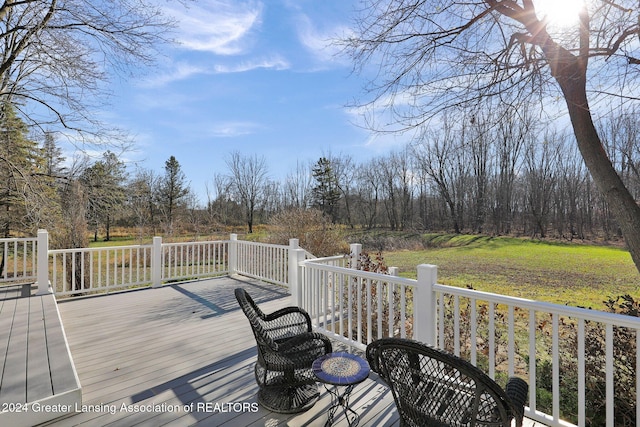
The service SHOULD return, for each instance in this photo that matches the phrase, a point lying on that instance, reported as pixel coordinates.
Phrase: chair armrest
(372, 356)
(305, 342)
(517, 390)
(296, 315)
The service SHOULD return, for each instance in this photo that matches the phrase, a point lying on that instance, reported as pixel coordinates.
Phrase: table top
(341, 368)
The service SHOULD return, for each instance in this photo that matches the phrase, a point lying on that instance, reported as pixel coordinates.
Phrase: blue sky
(252, 76)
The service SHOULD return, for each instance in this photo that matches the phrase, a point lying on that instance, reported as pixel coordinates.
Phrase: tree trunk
(621, 202)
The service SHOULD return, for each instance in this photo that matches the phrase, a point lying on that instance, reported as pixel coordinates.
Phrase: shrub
(315, 231)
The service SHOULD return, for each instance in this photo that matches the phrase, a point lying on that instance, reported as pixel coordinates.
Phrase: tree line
(495, 171)
(498, 173)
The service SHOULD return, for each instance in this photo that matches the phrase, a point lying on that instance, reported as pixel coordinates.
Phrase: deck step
(38, 380)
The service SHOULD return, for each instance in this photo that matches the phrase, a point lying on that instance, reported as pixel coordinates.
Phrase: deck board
(13, 388)
(39, 385)
(186, 344)
(35, 364)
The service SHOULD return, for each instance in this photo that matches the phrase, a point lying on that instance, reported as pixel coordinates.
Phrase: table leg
(337, 400)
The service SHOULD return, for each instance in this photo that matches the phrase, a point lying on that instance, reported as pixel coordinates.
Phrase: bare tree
(439, 155)
(345, 170)
(512, 132)
(434, 55)
(368, 193)
(141, 200)
(57, 55)
(248, 179)
(104, 185)
(297, 187)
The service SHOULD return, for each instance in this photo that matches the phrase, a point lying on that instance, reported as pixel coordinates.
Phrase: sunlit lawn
(578, 275)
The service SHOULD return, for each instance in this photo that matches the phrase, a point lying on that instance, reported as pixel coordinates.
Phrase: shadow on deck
(183, 355)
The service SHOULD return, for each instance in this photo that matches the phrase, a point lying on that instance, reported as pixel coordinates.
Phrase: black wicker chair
(286, 351)
(435, 388)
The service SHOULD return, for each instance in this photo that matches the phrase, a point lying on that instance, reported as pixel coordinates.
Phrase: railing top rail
(18, 239)
(564, 310)
(203, 242)
(103, 248)
(327, 258)
(360, 273)
(271, 245)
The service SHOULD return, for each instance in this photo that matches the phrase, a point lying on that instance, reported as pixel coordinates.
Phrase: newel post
(424, 305)
(156, 262)
(356, 250)
(233, 254)
(296, 256)
(42, 260)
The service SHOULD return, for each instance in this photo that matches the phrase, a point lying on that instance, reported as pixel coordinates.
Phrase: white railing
(580, 364)
(587, 357)
(89, 270)
(18, 259)
(262, 261)
(85, 270)
(193, 260)
(356, 307)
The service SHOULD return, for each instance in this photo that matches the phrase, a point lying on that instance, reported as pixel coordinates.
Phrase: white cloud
(220, 26)
(275, 63)
(320, 42)
(180, 71)
(232, 129)
(183, 71)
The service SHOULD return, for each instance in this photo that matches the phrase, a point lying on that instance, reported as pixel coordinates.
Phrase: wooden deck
(35, 363)
(182, 355)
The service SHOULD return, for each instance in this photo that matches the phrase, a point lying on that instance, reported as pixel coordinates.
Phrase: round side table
(341, 369)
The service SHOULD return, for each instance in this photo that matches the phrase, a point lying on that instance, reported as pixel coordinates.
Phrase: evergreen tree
(326, 192)
(20, 166)
(173, 189)
(52, 155)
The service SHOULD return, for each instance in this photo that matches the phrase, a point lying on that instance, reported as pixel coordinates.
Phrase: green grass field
(572, 274)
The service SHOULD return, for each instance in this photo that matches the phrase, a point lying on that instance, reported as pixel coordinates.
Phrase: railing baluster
(340, 298)
(609, 376)
(511, 343)
(582, 374)
(90, 269)
(533, 358)
(358, 282)
(64, 272)
(123, 266)
(100, 269)
(108, 266)
(555, 351)
(473, 325)
(403, 312)
(24, 257)
(15, 258)
(82, 279)
(492, 340)
(6, 255)
(392, 315)
(379, 308)
(368, 314)
(441, 316)
(456, 325)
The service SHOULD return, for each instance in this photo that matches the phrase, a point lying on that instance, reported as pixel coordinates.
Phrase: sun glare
(559, 13)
